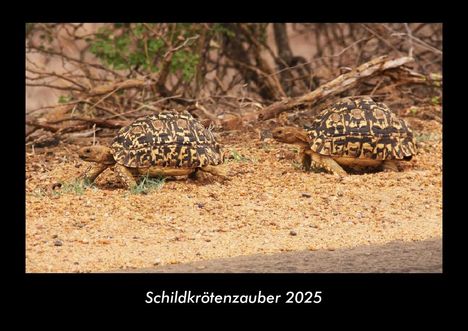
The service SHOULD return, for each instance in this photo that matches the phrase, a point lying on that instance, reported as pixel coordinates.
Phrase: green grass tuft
(236, 157)
(435, 100)
(78, 186)
(424, 137)
(148, 184)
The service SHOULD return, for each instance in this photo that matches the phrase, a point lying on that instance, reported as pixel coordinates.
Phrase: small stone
(157, 262)
(201, 267)
(55, 236)
(58, 243)
(293, 233)
(306, 195)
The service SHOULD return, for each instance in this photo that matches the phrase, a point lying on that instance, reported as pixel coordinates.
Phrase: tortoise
(353, 132)
(166, 144)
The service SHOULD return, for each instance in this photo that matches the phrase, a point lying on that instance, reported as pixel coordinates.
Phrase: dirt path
(270, 206)
(417, 257)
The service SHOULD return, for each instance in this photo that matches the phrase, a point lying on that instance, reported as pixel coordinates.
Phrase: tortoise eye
(87, 150)
(280, 131)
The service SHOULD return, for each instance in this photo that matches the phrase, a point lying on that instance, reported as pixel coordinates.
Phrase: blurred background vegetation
(82, 75)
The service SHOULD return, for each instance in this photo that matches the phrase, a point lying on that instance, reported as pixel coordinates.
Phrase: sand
(269, 206)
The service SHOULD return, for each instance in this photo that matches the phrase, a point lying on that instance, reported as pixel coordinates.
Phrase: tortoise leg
(306, 159)
(94, 171)
(125, 175)
(390, 165)
(194, 175)
(215, 170)
(329, 164)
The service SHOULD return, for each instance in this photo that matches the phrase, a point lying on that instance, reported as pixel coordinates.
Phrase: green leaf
(64, 99)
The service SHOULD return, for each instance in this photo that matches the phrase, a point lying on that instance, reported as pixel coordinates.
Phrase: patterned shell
(361, 128)
(168, 139)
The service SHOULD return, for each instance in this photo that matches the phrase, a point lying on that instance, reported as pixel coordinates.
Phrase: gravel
(254, 209)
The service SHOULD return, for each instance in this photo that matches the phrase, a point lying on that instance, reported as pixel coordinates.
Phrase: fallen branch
(336, 86)
(105, 89)
(406, 76)
(112, 124)
(42, 126)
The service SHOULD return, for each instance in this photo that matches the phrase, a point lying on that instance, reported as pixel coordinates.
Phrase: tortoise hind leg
(125, 175)
(216, 170)
(329, 164)
(390, 165)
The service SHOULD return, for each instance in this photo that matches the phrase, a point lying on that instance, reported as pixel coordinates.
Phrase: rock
(55, 236)
(293, 233)
(157, 262)
(58, 243)
(306, 195)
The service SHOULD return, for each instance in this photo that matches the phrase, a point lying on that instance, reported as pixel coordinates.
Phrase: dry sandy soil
(270, 206)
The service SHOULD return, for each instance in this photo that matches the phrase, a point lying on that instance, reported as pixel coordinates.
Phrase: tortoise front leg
(94, 171)
(125, 175)
(306, 158)
(329, 164)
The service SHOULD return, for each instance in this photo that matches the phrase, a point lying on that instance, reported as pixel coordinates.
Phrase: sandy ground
(270, 206)
(401, 257)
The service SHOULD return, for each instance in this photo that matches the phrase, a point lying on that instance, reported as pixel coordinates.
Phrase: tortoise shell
(361, 128)
(167, 139)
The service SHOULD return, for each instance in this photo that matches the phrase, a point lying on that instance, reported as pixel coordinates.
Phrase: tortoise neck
(107, 157)
(301, 136)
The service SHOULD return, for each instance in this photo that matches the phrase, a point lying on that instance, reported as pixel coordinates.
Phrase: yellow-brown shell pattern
(167, 139)
(361, 128)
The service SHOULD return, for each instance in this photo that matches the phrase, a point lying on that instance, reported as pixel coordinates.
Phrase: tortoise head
(99, 154)
(290, 135)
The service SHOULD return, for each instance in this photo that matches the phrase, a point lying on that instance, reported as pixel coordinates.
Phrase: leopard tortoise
(353, 132)
(166, 144)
